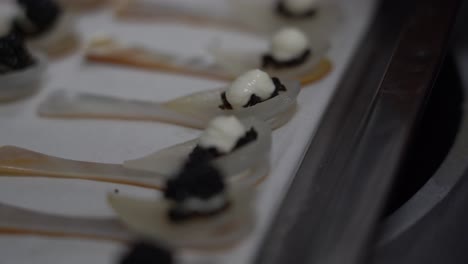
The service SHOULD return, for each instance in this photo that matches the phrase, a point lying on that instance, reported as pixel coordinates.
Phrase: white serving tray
(115, 141)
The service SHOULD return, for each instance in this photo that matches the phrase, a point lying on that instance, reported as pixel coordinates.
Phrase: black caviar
(249, 136)
(268, 61)
(225, 103)
(200, 154)
(254, 99)
(13, 53)
(41, 16)
(145, 252)
(283, 11)
(201, 181)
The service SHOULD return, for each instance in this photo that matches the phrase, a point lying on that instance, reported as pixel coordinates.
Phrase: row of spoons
(292, 55)
(242, 168)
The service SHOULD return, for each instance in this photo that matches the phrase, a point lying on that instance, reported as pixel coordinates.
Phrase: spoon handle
(16, 161)
(65, 104)
(112, 52)
(19, 221)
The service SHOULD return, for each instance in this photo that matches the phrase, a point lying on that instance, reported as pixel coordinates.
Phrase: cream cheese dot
(252, 82)
(222, 133)
(300, 6)
(288, 43)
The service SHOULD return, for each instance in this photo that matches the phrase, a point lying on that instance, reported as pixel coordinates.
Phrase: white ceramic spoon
(247, 164)
(227, 65)
(149, 218)
(258, 17)
(140, 218)
(236, 61)
(194, 110)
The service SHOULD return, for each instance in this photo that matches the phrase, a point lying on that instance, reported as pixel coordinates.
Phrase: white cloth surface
(116, 141)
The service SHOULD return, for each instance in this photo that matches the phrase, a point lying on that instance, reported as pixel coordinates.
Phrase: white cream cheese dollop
(288, 43)
(252, 82)
(222, 133)
(300, 6)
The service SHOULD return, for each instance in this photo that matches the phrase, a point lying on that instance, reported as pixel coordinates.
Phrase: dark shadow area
(432, 139)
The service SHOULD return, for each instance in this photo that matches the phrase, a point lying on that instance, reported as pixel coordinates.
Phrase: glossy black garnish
(249, 136)
(254, 99)
(13, 53)
(200, 154)
(268, 61)
(199, 179)
(41, 15)
(226, 105)
(178, 214)
(202, 181)
(284, 12)
(145, 252)
(279, 87)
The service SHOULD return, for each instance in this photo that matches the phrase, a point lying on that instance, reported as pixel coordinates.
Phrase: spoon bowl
(149, 219)
(236, 62)
(18, 84)
(135, 218)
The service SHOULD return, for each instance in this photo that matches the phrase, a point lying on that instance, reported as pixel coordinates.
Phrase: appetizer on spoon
(20, 71)
(199, 210)
(258, 17)
(46, 26)
(253, 94)
(239, 149)
(292, 55)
